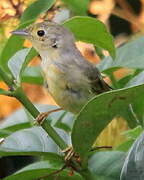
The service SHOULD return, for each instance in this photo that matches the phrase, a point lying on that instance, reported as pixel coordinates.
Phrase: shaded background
(124, 19)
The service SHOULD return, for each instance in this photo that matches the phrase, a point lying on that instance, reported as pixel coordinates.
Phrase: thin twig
(100, 147)
(53, 173)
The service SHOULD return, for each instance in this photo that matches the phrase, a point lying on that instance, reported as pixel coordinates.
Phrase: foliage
(23, 138)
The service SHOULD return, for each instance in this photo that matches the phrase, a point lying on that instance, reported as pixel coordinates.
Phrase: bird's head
(47, 36)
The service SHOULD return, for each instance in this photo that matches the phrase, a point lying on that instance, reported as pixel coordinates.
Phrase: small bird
(71, 80)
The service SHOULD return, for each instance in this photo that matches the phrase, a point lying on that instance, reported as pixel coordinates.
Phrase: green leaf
(16, 121)
(21, 119)
(13, 45)
(133, 133)
(136, 80)
(32, 141)
(32, 75)
(131, 136)
(134, 162)
(124, 80)
(125, 146)
(129, 55)
(107, 164)
(32, 53)
(77, 7)
(35, 9)
(44, 168)
(18, 62)
(3, 92)
(92, 31)
(98, 112)
(65, 121)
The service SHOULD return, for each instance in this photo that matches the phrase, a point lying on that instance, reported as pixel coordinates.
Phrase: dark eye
(40, 33)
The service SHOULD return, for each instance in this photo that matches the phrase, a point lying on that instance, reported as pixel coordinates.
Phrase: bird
(70, 79)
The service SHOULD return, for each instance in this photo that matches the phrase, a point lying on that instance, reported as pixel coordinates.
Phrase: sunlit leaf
(78, 7)
(92, 31)
(129, 55)
(32, 141)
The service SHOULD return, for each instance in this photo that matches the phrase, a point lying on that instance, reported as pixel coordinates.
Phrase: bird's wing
(98, 85)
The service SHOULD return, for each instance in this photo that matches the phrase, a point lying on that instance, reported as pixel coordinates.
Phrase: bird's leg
(41, 116)
(69, 153)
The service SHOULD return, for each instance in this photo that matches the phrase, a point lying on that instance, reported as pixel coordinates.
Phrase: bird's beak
(20, 32)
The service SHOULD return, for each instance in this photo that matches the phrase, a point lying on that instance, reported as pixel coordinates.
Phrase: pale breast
(66, 87)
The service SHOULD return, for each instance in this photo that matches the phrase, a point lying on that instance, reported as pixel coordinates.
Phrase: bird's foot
(69, 153)
(42, 116)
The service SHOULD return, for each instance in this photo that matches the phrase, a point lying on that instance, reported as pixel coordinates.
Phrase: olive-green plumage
(71, 80)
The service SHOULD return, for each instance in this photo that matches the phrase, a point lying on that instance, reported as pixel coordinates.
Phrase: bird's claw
(41, 117)
(69, 154)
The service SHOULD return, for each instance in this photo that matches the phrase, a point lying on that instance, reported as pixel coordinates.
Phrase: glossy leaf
(134, 162)
(32, 53)
(65, 121)
(125, 146)
(131, 136)
(21, 119)
(129, 55)
(77, 7)
(8, 50)
(136, 80)
(32, 141)
(16, 121)
(133, 133)
(92, 31)
(44, 168)
(124, 80)
(98, 112)
(107, 164)
(32, 75)
(18, 62)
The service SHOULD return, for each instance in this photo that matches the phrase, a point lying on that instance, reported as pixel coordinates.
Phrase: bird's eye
(40, 33)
